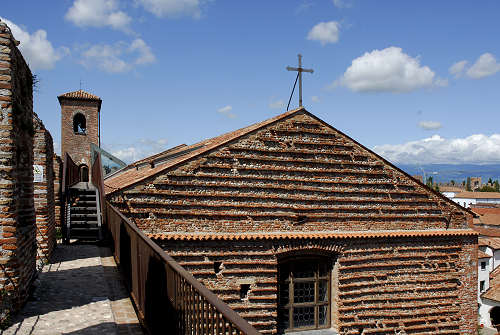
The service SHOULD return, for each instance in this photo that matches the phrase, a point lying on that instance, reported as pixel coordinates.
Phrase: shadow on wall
(159, 309)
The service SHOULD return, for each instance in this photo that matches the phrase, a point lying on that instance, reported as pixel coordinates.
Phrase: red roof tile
(493, 292)
(490, 232)
(307, 235)
(482, 254)
(80, 95)
(491, 242)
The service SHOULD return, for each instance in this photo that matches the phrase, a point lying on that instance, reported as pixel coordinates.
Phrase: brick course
(78, 145)
(419, 285)
(44, 192)
(17, 218)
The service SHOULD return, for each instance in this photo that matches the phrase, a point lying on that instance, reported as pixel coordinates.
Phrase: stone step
(82, 208)
(82, 222)
(85, 215)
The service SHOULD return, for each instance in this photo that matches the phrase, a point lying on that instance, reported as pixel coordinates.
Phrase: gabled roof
(79, 95)
(171, 158)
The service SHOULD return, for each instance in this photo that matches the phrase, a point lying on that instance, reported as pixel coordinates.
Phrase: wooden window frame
(290, 280)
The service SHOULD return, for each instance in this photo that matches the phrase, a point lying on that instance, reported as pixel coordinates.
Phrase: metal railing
(69, 178)
(97, 179)
(169, 300)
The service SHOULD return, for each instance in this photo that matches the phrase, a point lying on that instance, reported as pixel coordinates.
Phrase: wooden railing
(169, 300)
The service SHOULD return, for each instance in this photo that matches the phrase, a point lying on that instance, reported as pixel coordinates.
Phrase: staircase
(83, 219)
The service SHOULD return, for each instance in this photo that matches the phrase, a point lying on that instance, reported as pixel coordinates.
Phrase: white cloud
(36, 48)
(227, 111)
(277, 104)
(119, 57)
(133, 152)
(388, 70)
(172, 8)
(315, 98)
(325, 32)
(341, 4)
(98, 13)
(430, 125)
(457, 68)
(486, 65)
(146, 56)
(436, 149)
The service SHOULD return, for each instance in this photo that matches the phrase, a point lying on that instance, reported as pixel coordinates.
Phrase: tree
(496, 185)
(467, 185)
(429, 182)
(452, 182)
(486, 188)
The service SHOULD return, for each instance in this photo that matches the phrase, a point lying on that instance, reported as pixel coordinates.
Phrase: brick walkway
(79, 292)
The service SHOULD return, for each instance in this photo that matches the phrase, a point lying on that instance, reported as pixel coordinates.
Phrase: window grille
(304, 299)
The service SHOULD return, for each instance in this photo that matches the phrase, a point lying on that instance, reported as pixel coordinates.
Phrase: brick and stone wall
(78, 145)
(43, 150)
(17, 218)
(379, 286)
(296, 175)
(301, 176)
(58, 166)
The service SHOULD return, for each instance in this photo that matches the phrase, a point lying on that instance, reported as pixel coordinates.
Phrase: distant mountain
(447, 172)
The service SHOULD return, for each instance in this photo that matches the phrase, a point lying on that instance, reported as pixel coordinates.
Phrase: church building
(297, 226)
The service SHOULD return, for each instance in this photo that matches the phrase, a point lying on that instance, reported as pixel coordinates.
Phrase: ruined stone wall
(17, 218)
(58, 166)
(379, 286)
(43, 150)
(78, 145)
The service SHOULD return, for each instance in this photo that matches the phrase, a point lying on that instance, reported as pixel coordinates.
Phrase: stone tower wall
(78, 145)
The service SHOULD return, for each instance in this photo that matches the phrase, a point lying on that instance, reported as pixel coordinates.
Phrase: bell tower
(80, 127)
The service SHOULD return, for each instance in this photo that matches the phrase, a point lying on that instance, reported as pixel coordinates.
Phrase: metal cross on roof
(299, 69)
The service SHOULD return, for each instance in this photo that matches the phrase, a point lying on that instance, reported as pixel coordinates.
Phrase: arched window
(304, 293)
(84, 172)
(79, 124)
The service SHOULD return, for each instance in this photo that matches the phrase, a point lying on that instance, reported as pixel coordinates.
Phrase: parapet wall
(17, 218)
(43, 170)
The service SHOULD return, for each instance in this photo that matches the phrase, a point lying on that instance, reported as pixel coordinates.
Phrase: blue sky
(417, 81)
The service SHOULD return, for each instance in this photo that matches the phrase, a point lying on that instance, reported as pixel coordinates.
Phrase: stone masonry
(17, 218)
(421, 285)
(43, 151)
(234, 208)
(77, 145)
